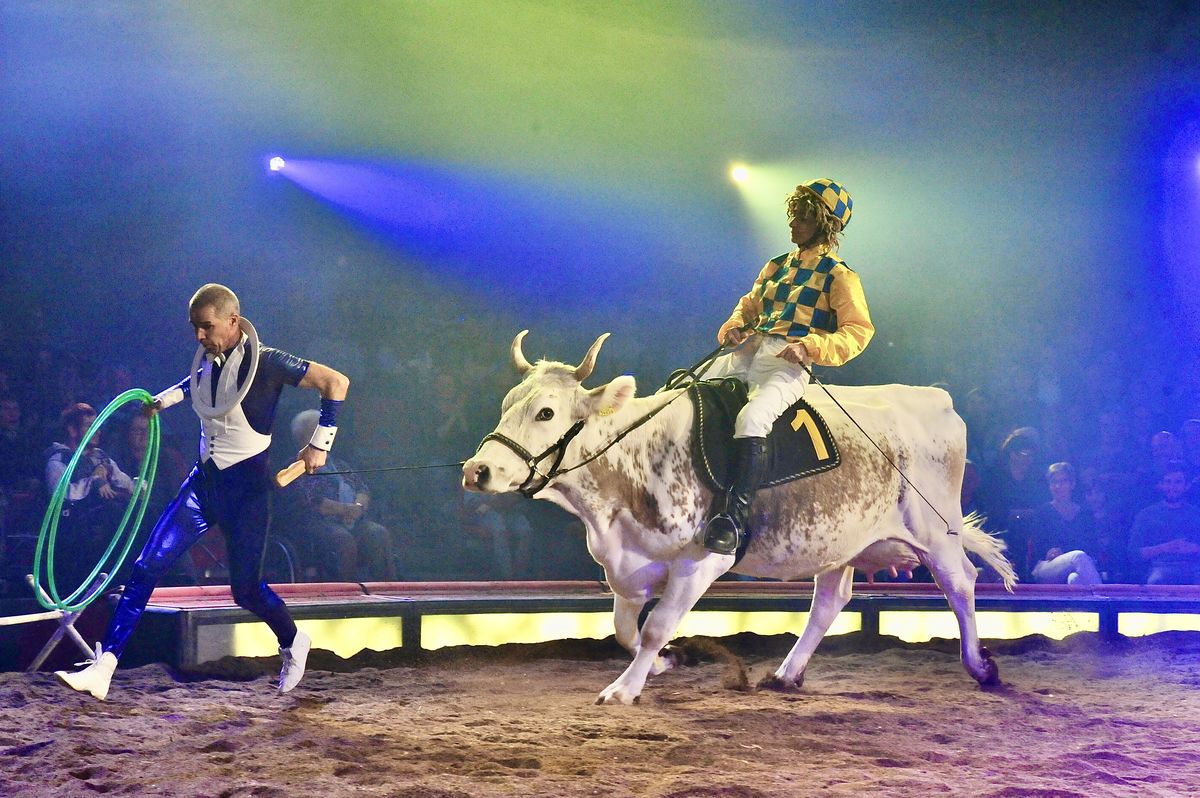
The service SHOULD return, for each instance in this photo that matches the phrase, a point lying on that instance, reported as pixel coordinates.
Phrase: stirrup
(720, 535)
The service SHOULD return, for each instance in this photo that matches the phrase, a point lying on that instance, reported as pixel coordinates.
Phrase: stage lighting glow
(276, 163)
(738, 173)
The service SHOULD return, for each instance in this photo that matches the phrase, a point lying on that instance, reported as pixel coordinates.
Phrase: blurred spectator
(21, 497)
(172, 468)
(450, 408)
(1189, 439)
(982, 430)
(19, 460)
(1111, 533)
(96, 474)
(1166, 535)
(95, 499)
(337, 505)
(504, 532)
(1063, 533)
(1111, 452)
(112, 380)
(1164, 448)
(1011, 491)
(1020, 391)
(1161, 450)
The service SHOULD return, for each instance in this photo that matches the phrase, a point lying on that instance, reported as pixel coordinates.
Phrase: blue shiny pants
(237, 500)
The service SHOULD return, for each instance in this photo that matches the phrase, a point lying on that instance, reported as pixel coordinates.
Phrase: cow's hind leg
(831, 591)
(955, 575)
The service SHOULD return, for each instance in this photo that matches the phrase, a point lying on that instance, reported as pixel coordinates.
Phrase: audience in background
(419, 405)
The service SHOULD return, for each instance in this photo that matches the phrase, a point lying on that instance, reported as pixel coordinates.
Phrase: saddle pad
(799, 445)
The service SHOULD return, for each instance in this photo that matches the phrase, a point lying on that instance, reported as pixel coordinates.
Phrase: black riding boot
(723, 532)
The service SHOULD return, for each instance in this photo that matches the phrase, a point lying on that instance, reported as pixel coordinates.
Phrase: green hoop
(76, 600)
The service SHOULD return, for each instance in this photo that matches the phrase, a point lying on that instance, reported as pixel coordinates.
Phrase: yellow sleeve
(854, 330)
(749, 306)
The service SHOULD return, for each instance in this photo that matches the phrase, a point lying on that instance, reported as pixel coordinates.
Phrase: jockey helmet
(834, 195)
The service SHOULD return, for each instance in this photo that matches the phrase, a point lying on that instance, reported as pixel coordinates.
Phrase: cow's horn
(518, 357)
(589, 361)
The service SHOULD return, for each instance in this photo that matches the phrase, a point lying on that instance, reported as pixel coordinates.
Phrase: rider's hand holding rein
(795, 353)
(736, 336)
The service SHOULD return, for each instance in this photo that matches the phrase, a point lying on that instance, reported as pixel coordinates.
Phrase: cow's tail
(989, 547)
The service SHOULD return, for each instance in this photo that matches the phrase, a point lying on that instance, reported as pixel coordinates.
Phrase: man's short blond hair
(220, 298)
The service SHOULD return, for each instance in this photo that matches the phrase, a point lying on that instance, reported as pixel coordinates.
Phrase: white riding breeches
(774, 383)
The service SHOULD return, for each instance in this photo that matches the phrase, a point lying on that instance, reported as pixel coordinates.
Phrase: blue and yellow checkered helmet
(835, 197)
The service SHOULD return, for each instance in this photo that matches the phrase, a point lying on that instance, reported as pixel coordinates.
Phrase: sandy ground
(1073, 719)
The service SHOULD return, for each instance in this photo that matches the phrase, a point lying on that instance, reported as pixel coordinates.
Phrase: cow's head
(540, 420)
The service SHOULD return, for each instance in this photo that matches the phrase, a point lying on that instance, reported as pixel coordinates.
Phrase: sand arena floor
(1076, 718)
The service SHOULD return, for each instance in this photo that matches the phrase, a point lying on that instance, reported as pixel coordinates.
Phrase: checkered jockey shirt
(812, 297)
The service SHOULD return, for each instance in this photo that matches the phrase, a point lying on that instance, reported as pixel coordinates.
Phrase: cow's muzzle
(476, 475)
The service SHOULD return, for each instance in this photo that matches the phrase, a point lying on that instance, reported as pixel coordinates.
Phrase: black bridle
(559, 448)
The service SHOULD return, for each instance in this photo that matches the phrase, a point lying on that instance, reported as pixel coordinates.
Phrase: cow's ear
(608, 399)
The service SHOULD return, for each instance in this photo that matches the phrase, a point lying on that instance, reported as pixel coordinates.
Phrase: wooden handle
(289, 474)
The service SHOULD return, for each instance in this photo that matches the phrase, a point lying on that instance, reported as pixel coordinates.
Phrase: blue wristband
(329, 411)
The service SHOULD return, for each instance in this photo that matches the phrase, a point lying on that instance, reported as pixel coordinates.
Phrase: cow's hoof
(670, 657)
(778, 685)
(991, 671)
(616, 695)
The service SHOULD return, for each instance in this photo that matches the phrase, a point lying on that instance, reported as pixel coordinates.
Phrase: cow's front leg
(686, 582)
(625, 621)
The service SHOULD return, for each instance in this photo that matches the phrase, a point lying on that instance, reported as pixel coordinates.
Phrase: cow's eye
(545, 414)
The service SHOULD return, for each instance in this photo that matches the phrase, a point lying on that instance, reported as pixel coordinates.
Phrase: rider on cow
(806, 306)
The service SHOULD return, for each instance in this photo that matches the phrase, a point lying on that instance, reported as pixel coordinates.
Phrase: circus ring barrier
(199, 624)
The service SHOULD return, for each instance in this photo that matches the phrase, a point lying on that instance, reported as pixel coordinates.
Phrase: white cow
(641, 502)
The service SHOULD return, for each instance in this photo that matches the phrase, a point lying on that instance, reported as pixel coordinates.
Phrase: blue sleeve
(282, 367)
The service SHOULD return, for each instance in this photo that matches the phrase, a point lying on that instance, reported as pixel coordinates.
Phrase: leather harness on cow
(559, 447)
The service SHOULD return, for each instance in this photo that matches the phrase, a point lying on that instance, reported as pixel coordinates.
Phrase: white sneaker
(95, 677)
(294, 659)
